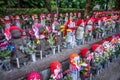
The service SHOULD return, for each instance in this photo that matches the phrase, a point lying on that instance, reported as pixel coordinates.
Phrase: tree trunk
(107, 1)
(117, 5)
(6, 3)
(57, 8)
(48, 6)
(18, 5)
(87, 7)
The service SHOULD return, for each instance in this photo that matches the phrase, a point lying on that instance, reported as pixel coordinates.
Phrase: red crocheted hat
(94, 47)
(84, 52)
(34, 75)
(55, 65)
(14, 28)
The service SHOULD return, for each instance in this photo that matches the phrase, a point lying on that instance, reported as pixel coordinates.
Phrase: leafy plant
(5, 54)
(51, 40)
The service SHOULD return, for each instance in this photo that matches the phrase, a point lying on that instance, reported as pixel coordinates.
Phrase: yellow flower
(62, 26)
(38, 41)
(69, 30)
(61, 30)
(64, 37)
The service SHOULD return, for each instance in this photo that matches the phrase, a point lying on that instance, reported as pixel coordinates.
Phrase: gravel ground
(112, 72)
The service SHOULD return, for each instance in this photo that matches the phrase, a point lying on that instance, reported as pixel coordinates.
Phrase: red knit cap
(94, 47)
(84, 52)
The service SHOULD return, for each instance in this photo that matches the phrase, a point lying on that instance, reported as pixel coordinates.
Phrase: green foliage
(51, 40)
(31, 11)
(12, 3)
(5, 54)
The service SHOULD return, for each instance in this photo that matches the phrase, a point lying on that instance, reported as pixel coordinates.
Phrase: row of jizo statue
(87, 64)
(18, 43)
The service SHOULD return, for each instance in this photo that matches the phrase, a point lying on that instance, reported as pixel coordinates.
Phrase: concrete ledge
(43, 64)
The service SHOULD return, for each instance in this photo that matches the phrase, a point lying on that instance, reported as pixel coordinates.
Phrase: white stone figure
(75, 66)
(35, 19)
(42, 17)
(88, 30)
(17, 21)
(66, 18)
(80, 35)
(70, 39)
(7, 21)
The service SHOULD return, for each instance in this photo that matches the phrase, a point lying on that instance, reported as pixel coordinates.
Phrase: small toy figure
(80, 31)
(105, 45)
(61, 19)
(56, 31)
(70, 25)
(56, 69)
(66, 18)
(55, 25)
(35, 19)
(38, 32)
(70, 39)
(42, 17)
(75, 16)
(79, 15)
(85, 63)
(88, 30)
(34, 76)
(98, 57)
(71, 15)
(3, 42)
(14, 34)
(7, 21)
(112, 43)
(48, 18)
(80, 35)
(5, 53)
(17, 21)
(27, 21)
(75, 66)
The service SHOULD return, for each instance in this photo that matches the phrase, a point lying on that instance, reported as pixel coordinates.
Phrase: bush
(30, 11)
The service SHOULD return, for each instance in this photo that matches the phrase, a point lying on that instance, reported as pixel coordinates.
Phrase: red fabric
(93, 28)
(31, 32)
(25, 15)
(14, 28)
(110, 39)
(79, 22)
(34, 76)
(84, 52)
(94, 47)
(7, 21)
(55, 65)
(87, 21)
(108, 17)
(66, 27)
(102, 42)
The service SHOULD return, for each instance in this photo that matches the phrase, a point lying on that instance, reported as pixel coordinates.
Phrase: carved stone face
(16, 34)
(77, 60)
(57, 70)
(7, 18)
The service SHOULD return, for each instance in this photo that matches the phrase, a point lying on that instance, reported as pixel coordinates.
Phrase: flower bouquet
(30, 49)
(51, 41)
